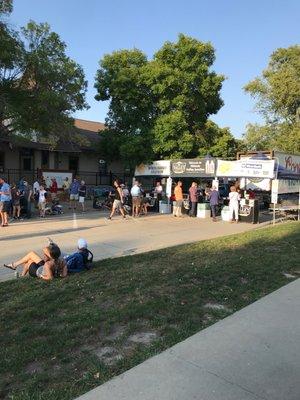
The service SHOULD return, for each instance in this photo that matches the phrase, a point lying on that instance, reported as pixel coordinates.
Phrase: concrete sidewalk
(253, 354)
(107, 238)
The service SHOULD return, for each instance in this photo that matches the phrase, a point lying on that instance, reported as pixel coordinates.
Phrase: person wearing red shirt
(53, 188)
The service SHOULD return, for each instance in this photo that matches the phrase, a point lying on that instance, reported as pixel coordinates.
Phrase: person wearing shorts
(82, 194)
(46, 268)
(136, 199)
(118, 201)
(42, 201)
(74, 193)
(5, 201)
(15, 196)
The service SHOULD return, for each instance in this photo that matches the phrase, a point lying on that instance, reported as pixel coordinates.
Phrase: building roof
(86, 138)
(91, 126)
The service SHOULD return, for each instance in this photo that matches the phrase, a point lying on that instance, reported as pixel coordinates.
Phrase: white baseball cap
(82, 244)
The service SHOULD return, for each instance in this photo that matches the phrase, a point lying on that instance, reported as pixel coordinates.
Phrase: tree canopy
(40, 86)
(163, 103)
(277, 93)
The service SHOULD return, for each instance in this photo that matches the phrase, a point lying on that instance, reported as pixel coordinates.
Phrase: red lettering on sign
(290, 164)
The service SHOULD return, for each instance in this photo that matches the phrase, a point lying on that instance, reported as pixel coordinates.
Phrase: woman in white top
(234, 198)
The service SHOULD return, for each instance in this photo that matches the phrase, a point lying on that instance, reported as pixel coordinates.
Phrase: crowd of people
(17, 200)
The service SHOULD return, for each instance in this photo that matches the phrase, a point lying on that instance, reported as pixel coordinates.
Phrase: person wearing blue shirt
(214, 201)
(5, 201)
(74, 193)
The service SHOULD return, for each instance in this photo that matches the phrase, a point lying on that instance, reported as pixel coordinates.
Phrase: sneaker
(108, 218)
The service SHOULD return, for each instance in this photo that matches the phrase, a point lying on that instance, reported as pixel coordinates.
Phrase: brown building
(22, 157)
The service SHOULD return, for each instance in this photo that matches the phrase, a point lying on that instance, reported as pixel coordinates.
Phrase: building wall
(37, 159)
(11, 157)
(88, 162)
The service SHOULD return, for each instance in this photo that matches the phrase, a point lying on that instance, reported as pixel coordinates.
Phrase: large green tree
(163, 103)
(40, 86)
(277, 92)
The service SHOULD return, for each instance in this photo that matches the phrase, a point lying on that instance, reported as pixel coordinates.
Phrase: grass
(63, 338)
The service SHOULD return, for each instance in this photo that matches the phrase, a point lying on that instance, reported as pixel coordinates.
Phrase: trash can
(203, 210)
(225, 214)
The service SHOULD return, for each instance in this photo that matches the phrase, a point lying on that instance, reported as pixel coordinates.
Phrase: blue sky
(244, 34)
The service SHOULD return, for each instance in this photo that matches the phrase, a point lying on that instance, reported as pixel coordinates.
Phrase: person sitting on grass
(81, 260)
(46, 268)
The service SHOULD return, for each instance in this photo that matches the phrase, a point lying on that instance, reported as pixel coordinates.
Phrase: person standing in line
(234, 198)
(136, 199)
(27, 193)
(118, 201)
(53, 188)
(193, 192)
(74, 190)
(177, 209)
(158, 192)
(15, 196)
(21, 185)
(36, 186)
(214, 202)
(5, 202)
(42, 201)
(66, 188)
(36, 189)
(82, 194)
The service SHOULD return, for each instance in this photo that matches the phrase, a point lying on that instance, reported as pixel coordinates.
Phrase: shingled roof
(86, 138)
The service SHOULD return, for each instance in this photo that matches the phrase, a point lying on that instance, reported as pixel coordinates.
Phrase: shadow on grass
(53, 334)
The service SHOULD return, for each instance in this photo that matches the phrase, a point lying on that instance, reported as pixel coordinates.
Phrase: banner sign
(246, 168)
(256, 184)
(284, 186)
(200, 167)
(58, 175)
(288, 164)
(157, 168)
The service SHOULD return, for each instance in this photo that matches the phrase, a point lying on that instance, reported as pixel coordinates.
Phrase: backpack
(79, 261)
(88, 257)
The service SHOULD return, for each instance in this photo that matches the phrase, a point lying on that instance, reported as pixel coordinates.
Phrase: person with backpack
(81, 260)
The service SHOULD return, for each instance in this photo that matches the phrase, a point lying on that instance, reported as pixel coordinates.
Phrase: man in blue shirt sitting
(5, 199)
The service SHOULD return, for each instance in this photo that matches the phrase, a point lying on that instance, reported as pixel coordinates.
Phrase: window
(73, 163)
(27, 161)
(1, 161)
(45, 159)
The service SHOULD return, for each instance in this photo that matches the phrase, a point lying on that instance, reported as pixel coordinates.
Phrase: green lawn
(63, 338)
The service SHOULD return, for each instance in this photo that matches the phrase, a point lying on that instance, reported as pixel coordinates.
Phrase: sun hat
(82, 244)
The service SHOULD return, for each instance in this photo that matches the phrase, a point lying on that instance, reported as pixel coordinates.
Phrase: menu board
(199, 167)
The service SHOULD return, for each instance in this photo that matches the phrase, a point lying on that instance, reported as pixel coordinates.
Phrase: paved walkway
(107, 238)
(251, 355)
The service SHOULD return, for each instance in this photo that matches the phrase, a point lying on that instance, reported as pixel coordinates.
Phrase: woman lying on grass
(48, 267)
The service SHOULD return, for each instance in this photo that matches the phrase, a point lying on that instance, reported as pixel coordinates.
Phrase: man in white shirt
(136, 199)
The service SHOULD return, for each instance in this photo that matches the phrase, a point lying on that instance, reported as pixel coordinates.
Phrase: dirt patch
(143, 337)
(215, 306)
(116, 333)
(34, 367)
(108, 355)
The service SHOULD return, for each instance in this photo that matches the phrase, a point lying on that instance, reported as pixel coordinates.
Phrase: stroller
(54, 208)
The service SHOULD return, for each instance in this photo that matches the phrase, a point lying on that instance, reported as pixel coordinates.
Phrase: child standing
(42, 201)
